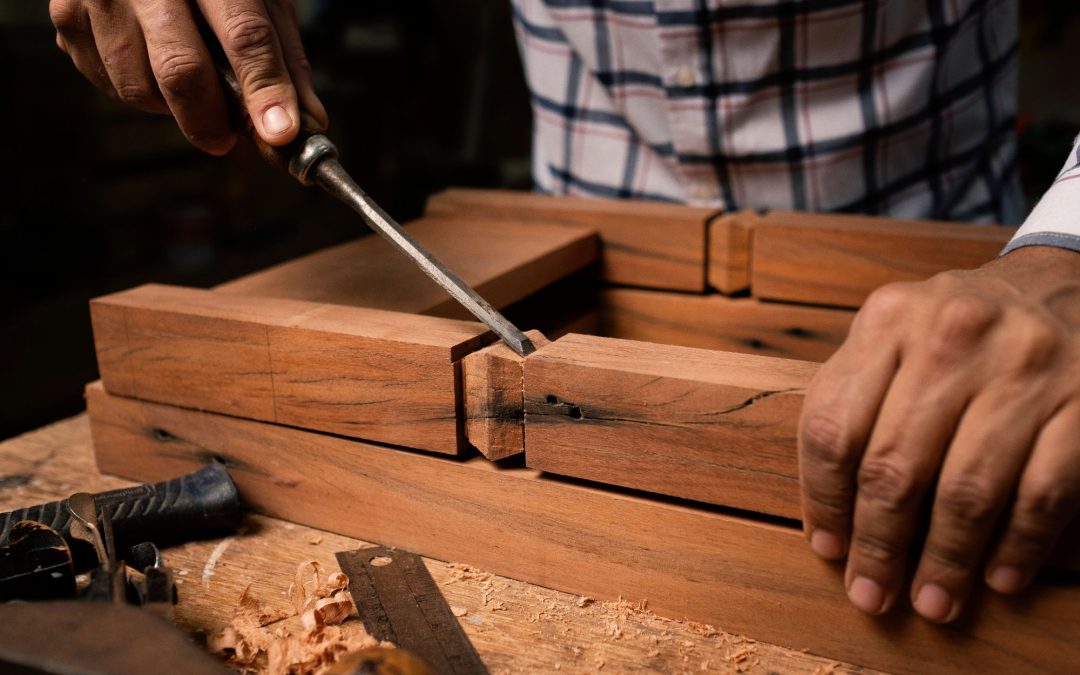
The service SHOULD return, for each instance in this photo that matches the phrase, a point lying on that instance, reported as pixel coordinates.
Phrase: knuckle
(963, 320)
(895, 489)
(248, 32)
(1032, 345)
(871, 546)
(951, 555)
(823, 441)
(887, 303)
(1049, 502)
(968, 500)
(65, 15)
(134, 93)
(180, 72)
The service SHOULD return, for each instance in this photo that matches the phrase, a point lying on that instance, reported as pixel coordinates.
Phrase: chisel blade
(332, 177)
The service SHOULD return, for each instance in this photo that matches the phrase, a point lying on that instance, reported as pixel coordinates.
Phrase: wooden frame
(703, 434)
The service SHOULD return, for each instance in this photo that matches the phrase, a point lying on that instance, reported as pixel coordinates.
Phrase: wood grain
(648, 244)
(730, 238)
(517, 627)
(838, 260)
(494, 398)
(751, 577)
(504, 259)
(710, 426)
(744, 325)
(358, 372)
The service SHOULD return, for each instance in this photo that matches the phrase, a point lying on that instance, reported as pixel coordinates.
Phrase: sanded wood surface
(494, 398)
(705, 425)
(646, 244)
(832, 259)
(750, 577)
(516, 627)
(359, 372)
(504, 259)
(745, 325)
(730, 240)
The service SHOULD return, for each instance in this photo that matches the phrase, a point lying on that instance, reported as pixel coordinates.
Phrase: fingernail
(867, 595)
(934, 603)
(276, 120)
(827, 545)
(1005, 579)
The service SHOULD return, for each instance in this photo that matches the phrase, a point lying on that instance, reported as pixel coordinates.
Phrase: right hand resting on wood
(150, 53)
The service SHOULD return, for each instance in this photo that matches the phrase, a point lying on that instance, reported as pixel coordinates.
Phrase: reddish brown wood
(831, 259)
(730, 238)
(710, 426)
(494, 391)
(749, 577)
(364, 373)
(504, 259)
(745, 325)
(646, 244)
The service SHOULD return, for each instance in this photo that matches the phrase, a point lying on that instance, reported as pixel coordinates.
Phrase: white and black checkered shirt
(896, 107)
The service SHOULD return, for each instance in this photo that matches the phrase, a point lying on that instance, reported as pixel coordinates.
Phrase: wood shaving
(322, 604)
(315, 539)
(381, 561)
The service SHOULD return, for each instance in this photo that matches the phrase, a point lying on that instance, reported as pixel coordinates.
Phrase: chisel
(312, 159)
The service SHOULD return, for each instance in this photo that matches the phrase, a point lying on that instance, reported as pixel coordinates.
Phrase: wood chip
(322, 603)
(458, 611)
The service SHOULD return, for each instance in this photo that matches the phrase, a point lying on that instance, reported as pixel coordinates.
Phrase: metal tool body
(398, 601)
(312, 159)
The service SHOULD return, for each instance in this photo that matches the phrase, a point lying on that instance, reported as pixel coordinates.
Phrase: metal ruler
(399, 601)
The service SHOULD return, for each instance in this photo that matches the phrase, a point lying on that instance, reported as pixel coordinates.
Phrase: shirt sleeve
(1055, 220)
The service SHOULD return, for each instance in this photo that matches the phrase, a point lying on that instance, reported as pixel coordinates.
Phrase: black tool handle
(196, 506)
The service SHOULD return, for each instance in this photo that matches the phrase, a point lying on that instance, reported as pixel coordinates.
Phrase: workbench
(516, 627)
(645, 450)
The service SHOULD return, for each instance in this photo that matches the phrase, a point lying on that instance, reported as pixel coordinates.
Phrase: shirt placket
(682, 57)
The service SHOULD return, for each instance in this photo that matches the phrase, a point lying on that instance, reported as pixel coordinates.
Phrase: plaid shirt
(891, 107)
(1055, 220)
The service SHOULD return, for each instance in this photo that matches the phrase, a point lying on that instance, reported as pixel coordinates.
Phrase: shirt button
(686, 77)
(704, 192)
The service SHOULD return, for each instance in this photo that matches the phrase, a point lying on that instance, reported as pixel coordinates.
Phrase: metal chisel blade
(332, 177)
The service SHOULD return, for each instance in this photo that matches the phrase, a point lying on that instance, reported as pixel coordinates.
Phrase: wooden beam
(744, 325)
(831, 259)
(358, 372)
(747, 577)
(494, 404)
(648, 244)
(730, 238)
(710, 426)
(504, 259)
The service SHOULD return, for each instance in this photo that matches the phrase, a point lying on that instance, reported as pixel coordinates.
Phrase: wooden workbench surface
(515, 626)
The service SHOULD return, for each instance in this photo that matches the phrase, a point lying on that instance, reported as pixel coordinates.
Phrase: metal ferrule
(316, 148)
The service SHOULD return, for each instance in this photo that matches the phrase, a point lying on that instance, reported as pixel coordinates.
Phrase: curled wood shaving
(321, 603)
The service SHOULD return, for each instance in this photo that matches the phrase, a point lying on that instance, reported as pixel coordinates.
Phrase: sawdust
(252, 644)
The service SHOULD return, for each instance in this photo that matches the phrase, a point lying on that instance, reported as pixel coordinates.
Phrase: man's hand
(963, 391)
(149, 53)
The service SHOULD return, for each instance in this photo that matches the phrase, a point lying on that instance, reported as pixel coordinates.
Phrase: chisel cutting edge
(312, 160)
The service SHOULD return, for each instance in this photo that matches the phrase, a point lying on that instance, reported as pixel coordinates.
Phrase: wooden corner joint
(493, 388)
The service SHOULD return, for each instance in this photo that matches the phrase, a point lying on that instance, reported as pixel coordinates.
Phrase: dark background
(421, 94)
